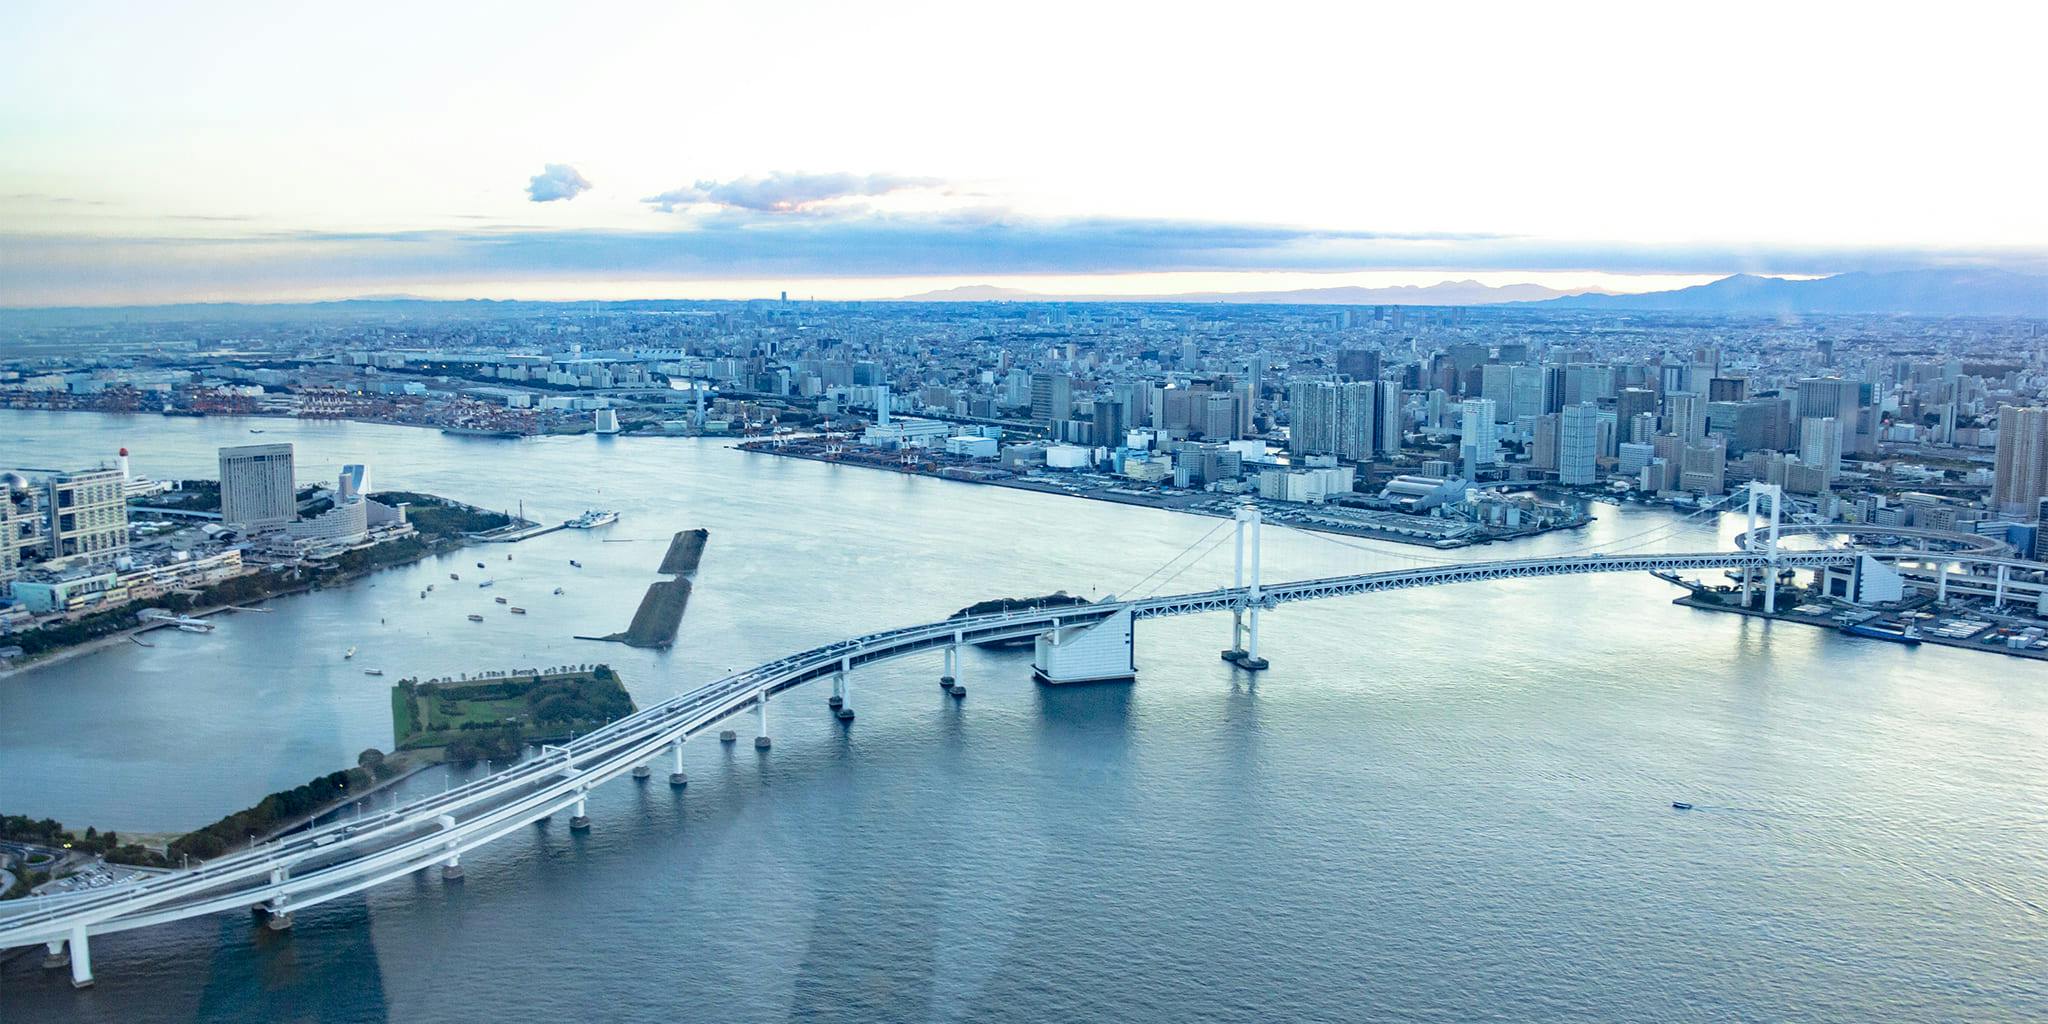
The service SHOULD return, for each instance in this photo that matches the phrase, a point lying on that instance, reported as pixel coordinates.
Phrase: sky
(244, 151)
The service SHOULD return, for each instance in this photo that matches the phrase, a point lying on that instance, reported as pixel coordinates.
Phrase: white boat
(592, 519)
(373, 671)
(194, 627)
(558, 591)
(350, 653)
(486, 583)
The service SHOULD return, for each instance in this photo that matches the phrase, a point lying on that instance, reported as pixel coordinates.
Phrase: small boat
(373, 671)
(454, 576)
(194, 627)
(1680, 805)
(474, 617)
(255, 430)
(430, 586)
(423, 595)
(516, 610)
(479, 565)
(558, 591)
(486, 583)
(500, 600)
(575, 563)
(350, 653)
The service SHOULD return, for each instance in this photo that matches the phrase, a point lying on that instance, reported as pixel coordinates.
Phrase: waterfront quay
(1441, 533)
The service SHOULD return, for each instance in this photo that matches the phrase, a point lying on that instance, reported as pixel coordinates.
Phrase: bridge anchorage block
(762, 743)
(580, 823)
(55, 955)
(835, 702)
(845, 714)
(957, 690)
(728, 736)
(678, 779)
(642, 772)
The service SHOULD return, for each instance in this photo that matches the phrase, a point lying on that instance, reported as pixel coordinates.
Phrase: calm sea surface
(1445, 805)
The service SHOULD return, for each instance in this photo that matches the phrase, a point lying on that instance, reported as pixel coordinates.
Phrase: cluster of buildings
(92, 539)
(1850, 414)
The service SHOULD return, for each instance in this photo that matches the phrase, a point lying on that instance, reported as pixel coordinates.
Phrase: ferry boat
(474, 617)
(350, 653)
(592, 519)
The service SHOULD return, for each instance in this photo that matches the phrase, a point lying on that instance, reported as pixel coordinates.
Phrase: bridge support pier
(842, 706)
(677, 778)
(951, 655)
(838, 698)
(54, 955)
(81, 959)
(642, 772)
(761, 741)
(954, 678)
(580, 820)
(280, 918)
(451, 869)
(1235, 652)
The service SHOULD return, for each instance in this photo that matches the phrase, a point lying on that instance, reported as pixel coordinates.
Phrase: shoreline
(1168, 505)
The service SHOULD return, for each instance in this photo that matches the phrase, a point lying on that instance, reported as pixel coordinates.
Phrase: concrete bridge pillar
(761, 741)
(2004, 571)
(81, 959)
(958, 674)
(1235, 652)
(676, 778)
(950, 655)
(579, 820)
(842, 705)
(54, 955)
(280, 915)
(451, 869)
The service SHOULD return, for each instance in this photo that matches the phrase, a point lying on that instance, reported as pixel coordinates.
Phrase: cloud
(785, 192)
(556, 181)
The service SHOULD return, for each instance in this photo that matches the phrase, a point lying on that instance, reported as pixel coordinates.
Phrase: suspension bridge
(1072, 644)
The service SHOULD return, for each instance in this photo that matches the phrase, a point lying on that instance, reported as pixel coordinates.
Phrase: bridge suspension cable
(1163, 566)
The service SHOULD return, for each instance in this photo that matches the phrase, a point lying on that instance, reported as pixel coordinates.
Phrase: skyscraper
(1387, 440)
(1332, 418)
(1052, 397)
(1685, 414)
(2022, 474)
(1478, 444)
(257, 487)
(1820, 446)
(1578, 444)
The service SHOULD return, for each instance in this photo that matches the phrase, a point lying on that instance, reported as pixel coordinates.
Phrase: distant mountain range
(1443, 293)
(1914, 292)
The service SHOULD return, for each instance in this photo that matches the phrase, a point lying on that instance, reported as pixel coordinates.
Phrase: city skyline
(696, 153)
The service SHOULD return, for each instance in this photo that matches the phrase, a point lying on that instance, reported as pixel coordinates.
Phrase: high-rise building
(2022, 468)
(1497, 386)
(88, 515)
(353, 483)
(257, 487)
(1332, 418)
(1219, 417)
(1543, 442)
(1478, 444)
(1830, 398)
(1387, 440)
(1358, 363)
(1578, 444)
(1685, 414)
(1052, 397)
(1632, 402)
(1820, 447)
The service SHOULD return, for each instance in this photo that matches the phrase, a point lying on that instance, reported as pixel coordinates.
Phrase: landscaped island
(497, 716)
